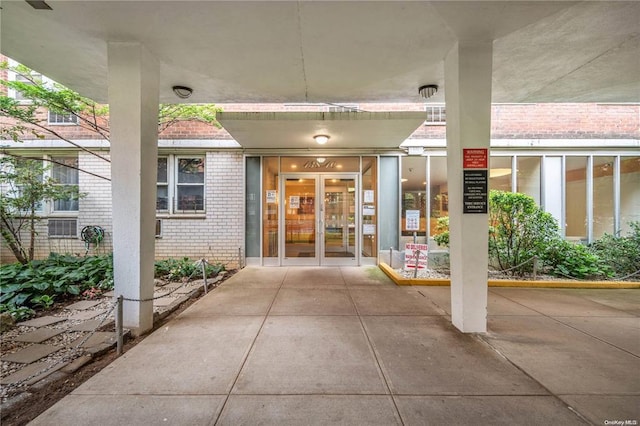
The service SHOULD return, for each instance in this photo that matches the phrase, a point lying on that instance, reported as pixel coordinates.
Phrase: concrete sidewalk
(306, 346)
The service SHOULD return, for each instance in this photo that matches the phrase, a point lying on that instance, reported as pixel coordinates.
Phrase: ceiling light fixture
(428, 91)
(183, 92)
(321, 139)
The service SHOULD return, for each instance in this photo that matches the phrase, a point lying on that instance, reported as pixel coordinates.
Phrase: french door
(319, 219)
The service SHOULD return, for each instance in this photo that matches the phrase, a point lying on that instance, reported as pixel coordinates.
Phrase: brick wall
(218, 234)
(556, 121)
(215, 235)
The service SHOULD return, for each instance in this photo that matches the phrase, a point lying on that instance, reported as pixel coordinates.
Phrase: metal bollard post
(391, 257)
(203, 263)
(415, 270)
(240, 258)
(535, 267)
(119, 326)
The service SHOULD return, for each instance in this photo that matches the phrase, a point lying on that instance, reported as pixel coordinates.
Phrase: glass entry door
(319, 219)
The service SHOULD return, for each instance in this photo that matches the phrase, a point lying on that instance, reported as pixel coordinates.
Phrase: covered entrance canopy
(131, 53)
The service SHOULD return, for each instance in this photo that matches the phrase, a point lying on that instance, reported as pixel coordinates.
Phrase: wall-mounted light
(321, 139)
(183, 92)
(428, 91)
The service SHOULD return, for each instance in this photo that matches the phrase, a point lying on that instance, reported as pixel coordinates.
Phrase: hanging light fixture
(321, 139)
(183, 92)
(428, 91)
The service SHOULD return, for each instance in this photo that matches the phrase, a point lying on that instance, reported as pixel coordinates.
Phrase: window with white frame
(29, 80)
(436, 114)
(180, 184)
(162, 192)
(189, 184)
(62, 118)
(64, 171)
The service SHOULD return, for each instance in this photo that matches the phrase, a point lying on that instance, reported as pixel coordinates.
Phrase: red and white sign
(475, 158)
(410, 258)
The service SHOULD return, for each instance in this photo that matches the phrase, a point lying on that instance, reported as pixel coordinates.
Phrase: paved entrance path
(305, 346)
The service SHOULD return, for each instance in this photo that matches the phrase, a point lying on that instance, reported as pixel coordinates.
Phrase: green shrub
(19, 313)
(185, 268)
(569, 260)
(518, 230)
(442, 232)
(621, 255)
(58, 275)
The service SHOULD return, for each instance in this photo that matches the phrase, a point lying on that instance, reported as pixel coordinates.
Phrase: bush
(38, 282)
(569, 260)
(442, 232)
(621, 255)
(518, 230)
(185, 268)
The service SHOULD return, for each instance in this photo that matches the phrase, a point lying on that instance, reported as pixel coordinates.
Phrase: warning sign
(475, 158)
(415, 253)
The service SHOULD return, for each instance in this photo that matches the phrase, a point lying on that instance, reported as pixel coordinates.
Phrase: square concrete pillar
(133, 111)
(468, 68)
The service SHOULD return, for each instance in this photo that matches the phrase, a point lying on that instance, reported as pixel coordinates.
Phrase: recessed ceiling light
(321, 139)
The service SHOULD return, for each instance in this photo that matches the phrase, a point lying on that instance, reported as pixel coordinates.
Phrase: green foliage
(25, 188)
(19, 313)
(185, 268)
(38, 282)
(518, 230)
(89, 114)
(620, 254)
(44, 301)
(442, 232)
(569, 260)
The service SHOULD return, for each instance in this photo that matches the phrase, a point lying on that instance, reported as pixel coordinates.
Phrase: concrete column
(133, 111)
(468, 69)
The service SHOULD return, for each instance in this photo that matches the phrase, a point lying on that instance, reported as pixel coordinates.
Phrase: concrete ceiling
(317, 51)
(290, 130)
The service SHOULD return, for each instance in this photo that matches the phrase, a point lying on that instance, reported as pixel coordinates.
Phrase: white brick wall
(220, 232)
(216, 235)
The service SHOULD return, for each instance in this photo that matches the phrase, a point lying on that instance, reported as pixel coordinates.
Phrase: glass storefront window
(369, 206)
(576, 198)
(270, 173)
(603, 209)
(252, 207)
(414, 193)
(629, 193)
(500, 174)
(439, 189)
(528, 177)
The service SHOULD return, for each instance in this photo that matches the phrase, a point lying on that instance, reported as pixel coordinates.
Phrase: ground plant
(40, 283)
(184, 268)
(620, 254)
(519, 230)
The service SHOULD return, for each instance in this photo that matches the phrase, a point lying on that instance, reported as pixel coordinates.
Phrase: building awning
(295, 130)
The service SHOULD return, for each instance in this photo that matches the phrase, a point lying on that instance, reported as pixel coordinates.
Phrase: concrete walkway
(307, 346)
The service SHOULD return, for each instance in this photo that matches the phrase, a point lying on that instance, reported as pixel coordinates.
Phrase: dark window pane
(162, 170)
(191, 170)
(190, 198)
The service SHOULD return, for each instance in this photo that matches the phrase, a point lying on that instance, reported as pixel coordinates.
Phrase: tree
(24, 119)
(518, 230)
(25, 186)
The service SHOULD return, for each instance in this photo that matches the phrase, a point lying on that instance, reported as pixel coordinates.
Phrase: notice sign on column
(475, 158)
(474, 193)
